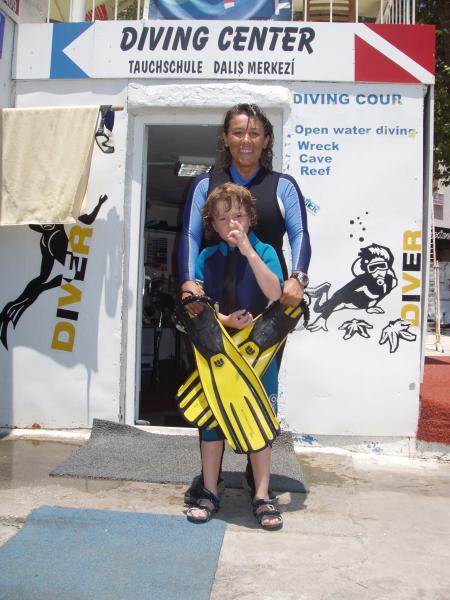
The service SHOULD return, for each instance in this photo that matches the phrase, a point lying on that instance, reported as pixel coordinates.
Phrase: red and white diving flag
(394, 53)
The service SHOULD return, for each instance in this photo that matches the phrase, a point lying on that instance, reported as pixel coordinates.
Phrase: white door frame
(134, 238)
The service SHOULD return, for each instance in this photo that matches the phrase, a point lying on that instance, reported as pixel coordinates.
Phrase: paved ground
(371, 527)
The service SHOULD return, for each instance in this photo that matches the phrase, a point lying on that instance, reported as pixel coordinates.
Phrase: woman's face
(246, 141)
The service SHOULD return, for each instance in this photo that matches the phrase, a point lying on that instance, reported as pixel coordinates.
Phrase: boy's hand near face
(267, 281)
(238, 237)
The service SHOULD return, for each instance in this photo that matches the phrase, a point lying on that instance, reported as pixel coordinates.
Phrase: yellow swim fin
(234, 393)
(258, 344)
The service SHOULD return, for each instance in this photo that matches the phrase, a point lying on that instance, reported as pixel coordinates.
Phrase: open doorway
(166, 358)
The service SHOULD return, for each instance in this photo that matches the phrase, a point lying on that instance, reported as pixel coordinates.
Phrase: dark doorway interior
(166, 358)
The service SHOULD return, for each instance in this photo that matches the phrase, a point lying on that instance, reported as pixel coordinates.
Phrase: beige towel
(45, 163)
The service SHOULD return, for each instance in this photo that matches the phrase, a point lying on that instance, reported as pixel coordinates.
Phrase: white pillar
(77, 10)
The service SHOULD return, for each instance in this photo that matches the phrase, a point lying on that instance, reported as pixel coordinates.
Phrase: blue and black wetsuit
(280, 208)
(226, 276)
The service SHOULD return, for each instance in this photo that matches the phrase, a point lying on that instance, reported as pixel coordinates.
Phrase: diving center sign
(290, 51)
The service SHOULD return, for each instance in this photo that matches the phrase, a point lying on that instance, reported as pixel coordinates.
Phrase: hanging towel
(45, 163)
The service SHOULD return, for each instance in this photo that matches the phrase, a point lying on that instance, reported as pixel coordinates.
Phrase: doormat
(434, 416)
(123, 452)
(74, 554)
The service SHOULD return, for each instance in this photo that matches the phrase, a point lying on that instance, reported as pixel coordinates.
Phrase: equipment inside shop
(176, 154)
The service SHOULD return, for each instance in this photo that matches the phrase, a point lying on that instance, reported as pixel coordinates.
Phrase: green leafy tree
(129, 13)
(437, 12)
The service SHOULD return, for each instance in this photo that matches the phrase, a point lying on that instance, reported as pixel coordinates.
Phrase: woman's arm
(192, 230)
(191, 239)
(296, 223)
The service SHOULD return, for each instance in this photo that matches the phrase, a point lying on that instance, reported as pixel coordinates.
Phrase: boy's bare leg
(261, 472)
(211, 453)
(211, 458)
(260, 462)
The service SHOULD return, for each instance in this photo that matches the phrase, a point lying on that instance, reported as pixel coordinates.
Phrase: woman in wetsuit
(247, 160)
(247, 155)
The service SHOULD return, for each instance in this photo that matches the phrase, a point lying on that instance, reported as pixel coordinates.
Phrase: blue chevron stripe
(62, 67)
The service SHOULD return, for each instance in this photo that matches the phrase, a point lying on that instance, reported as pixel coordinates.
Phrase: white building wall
(67, 389)
(324, 382)
(359, 375)
(49, 385)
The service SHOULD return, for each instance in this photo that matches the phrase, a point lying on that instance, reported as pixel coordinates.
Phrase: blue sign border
(2, 32)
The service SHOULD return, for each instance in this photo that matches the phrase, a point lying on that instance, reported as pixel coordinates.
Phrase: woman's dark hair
(228, 193)
(253, 112)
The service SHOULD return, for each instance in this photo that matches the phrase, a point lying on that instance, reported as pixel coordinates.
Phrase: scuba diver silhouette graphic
(373, 280)
(54, 247)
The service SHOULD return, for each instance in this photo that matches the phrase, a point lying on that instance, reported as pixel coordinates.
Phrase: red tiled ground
(434, 417)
